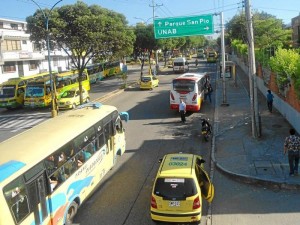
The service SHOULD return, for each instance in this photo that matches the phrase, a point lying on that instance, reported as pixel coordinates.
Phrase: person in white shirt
(182, 110)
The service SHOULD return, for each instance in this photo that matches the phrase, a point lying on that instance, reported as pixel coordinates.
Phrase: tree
(84, 33)
(268, 30)
(145, 43)
(286, 64)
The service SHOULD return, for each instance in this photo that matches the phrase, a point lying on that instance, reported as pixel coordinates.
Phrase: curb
(255, 180)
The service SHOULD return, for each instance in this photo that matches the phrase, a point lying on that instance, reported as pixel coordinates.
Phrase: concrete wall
(291, 114)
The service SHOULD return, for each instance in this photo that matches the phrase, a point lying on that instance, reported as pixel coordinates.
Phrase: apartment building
(19, 57)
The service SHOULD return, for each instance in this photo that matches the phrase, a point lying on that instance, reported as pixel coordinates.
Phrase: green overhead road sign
(183, 26)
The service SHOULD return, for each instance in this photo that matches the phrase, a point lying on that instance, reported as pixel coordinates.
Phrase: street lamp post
(53, 88)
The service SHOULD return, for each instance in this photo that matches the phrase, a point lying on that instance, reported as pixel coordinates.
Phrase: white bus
(190, 88)
(47, 172)
(180, 65)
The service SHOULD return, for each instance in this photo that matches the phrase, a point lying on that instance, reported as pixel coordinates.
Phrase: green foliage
(263, 56)
(286, 64)
(80, 30)
(83, 32)
(239, 47)
(268, 30)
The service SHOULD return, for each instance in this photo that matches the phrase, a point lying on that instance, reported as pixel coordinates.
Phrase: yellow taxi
(149, 82)
(71, 98)
(179, 186)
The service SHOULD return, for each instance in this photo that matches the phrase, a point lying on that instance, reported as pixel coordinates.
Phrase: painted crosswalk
(17, 122)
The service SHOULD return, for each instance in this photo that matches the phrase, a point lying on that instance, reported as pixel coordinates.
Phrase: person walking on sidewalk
(270, 97)
(182, 110)
(207, 92)
(292, 147)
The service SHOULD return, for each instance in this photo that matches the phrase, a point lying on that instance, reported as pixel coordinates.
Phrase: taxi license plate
(174, 203)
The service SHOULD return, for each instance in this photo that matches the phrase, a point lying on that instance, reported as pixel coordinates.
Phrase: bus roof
(40, 141)
(191, 76)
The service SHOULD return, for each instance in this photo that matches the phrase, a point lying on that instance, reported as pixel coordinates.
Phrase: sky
(137, 11)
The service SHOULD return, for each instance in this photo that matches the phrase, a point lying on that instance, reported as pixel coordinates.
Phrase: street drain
(276, 126)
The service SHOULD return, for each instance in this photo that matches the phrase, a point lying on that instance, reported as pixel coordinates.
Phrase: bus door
(108, 134)
(119, 137)
(37, 193)
(20, 92)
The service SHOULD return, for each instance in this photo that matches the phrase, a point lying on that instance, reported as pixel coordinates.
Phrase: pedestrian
(270, 97)
(196, 62)
(207, 92)
(182, 110)
(292, 147)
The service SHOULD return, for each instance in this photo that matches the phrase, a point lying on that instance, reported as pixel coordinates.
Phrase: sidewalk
(236, 153)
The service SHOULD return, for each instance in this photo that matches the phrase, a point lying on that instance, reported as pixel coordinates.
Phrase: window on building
(9, 67)
(10, 45)
(24, 42)
(33, 65)
(36, 47)
(1, 24)
(55, 61)
(14, 26)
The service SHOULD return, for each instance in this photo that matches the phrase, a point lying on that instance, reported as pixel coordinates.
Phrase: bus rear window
(175, 188)
(183, 85)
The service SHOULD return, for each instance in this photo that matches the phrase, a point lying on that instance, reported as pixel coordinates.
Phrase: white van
(180, 65)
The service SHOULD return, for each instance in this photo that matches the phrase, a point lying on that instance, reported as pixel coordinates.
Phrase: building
(18, 55)
(296, 31)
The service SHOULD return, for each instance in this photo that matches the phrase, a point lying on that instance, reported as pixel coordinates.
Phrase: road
(123, 197)
(153, 131)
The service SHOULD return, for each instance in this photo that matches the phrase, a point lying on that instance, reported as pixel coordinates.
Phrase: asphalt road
(153, 131)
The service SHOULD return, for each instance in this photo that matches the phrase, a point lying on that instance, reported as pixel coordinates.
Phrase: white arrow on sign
(206, 28)
(159, 23)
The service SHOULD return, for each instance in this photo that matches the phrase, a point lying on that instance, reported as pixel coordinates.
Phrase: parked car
(179, 186)
(149, 82)
(71, 98)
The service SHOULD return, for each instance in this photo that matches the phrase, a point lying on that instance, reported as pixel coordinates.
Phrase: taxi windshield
(175, 188)
(68, 94)
(7, 91)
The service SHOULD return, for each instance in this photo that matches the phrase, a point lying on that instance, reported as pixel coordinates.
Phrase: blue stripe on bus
(9, 168)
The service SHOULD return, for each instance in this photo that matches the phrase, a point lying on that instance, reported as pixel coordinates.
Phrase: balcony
(22, 56)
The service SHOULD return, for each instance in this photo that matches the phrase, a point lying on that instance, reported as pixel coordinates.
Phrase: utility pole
(153, 16)
(224, 103)
(255, 118)
(52, 81)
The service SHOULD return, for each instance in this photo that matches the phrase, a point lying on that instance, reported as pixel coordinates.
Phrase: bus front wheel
(71, 213)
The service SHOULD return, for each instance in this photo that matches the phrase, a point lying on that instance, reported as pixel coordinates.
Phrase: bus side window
(101, 141)
(17, 200)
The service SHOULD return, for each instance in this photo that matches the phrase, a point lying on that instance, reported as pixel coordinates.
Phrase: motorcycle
(206, 130)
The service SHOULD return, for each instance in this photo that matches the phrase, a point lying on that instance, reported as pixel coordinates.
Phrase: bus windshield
(178, 63)
(183, 85)
(35, 91)
(7, 91)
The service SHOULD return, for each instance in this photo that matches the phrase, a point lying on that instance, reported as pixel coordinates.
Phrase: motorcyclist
(206, 125)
